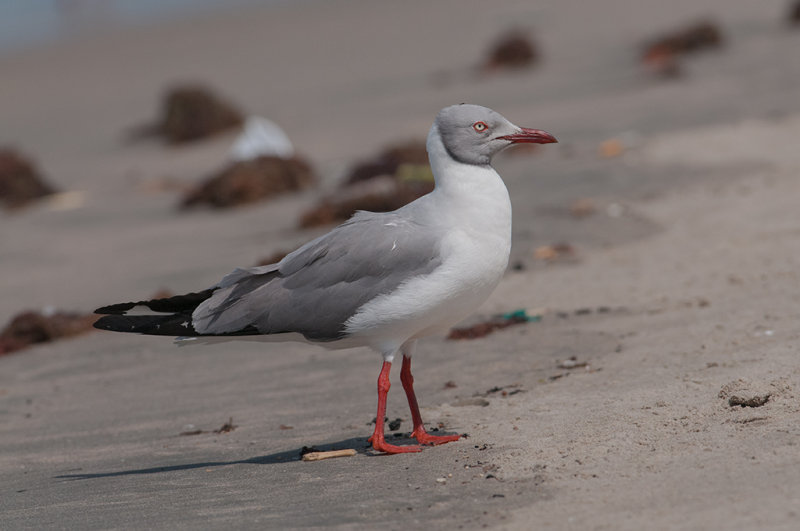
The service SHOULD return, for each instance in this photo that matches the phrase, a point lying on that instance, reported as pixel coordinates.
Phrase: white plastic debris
(261, 137)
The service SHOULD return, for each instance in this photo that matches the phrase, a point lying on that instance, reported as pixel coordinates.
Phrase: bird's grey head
(473, 134)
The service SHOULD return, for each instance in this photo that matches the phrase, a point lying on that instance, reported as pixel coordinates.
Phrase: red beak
(530, 136)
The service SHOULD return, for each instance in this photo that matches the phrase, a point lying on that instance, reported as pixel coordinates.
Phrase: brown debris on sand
(513, 50)
(583, 207)
(29, 328)
(388, 161)
(330, 454)
(745, 393)
(379, 195)
(249, 181)
(662, 55)
(192, 112)
(396, 176)
(20, 181)
(748, 401)
(793, 15)
(227, 427)
(273, 258)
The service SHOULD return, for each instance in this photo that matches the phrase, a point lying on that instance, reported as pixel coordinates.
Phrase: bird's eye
(480, 127)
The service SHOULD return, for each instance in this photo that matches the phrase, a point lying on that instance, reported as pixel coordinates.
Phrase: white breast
(474, 215)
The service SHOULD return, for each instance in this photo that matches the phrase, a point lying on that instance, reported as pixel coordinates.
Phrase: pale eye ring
(480, 127)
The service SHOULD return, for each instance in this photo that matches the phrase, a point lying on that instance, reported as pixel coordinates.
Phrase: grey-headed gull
(381, 280)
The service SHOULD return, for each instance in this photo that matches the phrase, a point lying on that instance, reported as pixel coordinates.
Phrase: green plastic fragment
(522, 315)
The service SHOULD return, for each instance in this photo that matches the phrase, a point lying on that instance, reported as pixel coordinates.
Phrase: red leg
(419, 432)
(377, 439)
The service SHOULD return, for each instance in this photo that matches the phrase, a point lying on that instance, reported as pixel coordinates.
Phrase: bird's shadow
(358, 443)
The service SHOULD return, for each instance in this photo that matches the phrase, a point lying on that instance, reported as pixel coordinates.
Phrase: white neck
(474, 194)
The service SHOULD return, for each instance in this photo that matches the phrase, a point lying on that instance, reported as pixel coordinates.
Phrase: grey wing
(317, 288)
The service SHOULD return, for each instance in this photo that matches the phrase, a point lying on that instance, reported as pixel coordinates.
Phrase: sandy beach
(678, 295)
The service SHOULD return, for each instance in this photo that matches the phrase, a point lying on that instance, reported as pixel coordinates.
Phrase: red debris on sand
(192, 112)
(485, 328)
(29, 328)
(252, 180)
(20, 181)
(555, 252)
(663, 53)
(513, 50)
(396, 176)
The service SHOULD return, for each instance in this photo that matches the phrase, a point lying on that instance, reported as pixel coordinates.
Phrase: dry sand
(682, 293)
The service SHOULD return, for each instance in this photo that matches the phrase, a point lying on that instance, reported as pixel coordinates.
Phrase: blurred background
(149, 147)
(32, 22)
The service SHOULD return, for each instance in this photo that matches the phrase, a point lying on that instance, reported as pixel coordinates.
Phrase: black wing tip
(176, 325)
(115, 309)
(176, 304)
(105, 323)
(112, 323)
(154, 325)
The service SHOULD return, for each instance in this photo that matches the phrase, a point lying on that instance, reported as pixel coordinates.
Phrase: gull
(381, 280)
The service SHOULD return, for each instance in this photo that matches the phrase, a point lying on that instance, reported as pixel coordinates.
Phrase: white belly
(425, 305)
